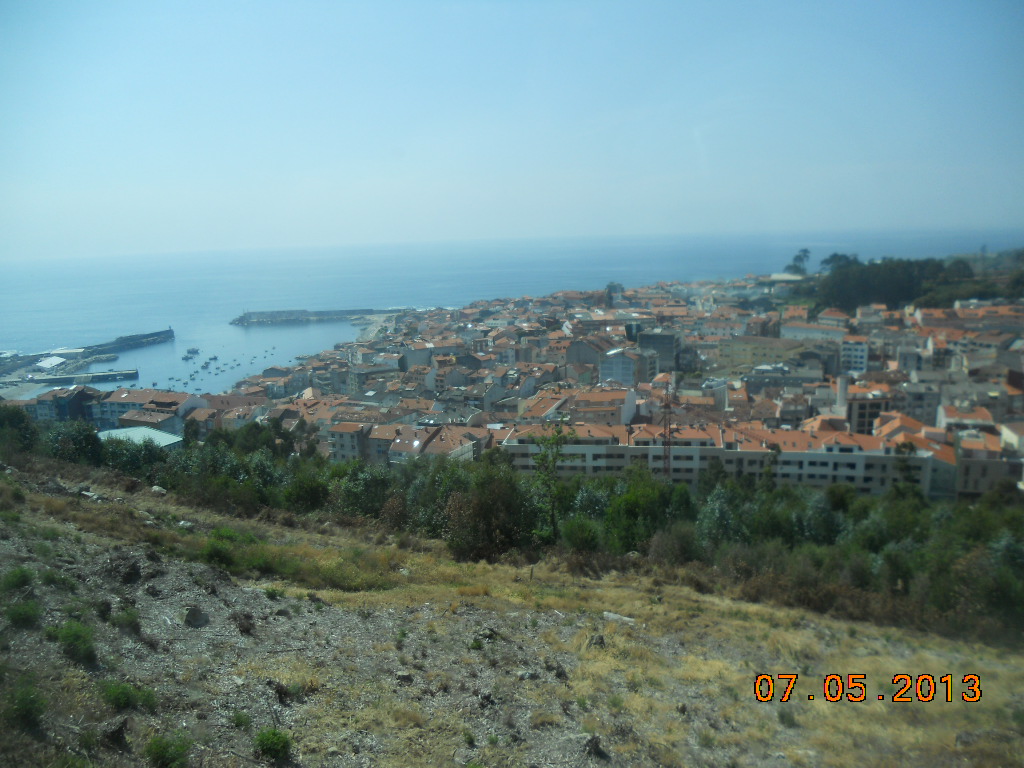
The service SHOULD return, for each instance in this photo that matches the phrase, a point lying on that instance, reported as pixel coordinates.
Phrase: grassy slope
(674, 687)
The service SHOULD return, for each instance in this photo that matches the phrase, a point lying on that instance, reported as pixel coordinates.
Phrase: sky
(157, 127)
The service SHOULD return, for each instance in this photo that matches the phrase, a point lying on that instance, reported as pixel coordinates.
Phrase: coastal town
(738, 377)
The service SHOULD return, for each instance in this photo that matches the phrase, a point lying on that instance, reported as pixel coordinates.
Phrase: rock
(609, 616)
(244, 621)
(196, 618)
(156, 490)
(125, 568)
(557, 668)
(114, 735)
(592, 748)
(186, 524)
(529, 675)
(487, 634)
(405, 678)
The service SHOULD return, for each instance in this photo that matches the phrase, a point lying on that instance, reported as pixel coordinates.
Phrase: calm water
(48, 304)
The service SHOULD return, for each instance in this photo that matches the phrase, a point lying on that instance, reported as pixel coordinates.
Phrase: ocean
(49, 304)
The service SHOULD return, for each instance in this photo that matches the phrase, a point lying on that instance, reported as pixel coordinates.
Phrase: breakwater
(285, 316)
(133, 341)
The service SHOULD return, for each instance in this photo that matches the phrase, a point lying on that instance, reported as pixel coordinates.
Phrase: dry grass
(678, 682)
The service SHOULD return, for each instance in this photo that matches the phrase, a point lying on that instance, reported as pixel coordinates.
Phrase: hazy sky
(139, 127)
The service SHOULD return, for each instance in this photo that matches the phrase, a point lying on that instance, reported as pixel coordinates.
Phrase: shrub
(53, 578)
(24, 707)
(675, 545)
(218, 552)
(16, 578)
(128, 621)
(168, 751)
(581, 534)
(76, 639)
(127, 696)
(24, 614)
(240, 719)
(273, 744)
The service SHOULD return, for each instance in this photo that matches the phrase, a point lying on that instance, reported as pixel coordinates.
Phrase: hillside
(222, 628)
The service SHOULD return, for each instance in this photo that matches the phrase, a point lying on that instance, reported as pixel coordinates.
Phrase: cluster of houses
(677, 376)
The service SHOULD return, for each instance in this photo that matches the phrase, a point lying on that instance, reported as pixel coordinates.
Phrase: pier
(132, 374)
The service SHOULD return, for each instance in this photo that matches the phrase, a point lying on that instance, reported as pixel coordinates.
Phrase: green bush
(24, 615)
(218, 552)
(240, 719)
(168, 751)
(16, 578)
(581, 534)
(127, 696)
(76, 640)
(24, 707)
(53, 578)
(127, 620)
(273, 744)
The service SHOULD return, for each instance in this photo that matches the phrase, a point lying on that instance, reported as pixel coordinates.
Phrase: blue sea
(49, 304)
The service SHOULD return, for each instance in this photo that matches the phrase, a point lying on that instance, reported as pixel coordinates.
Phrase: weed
(476, 645)
(89, 740)
(706, 738)
(492, 740)
(787, 717)
(400, 638)
(224, 533)
(127, 696)
(76, 639)
(408, 718)
(273, 593)
(469, 738)
(616, 702)
(169, 751)
(24, 706)
(52, 578)
(23, 615)
(240, 719)
(582, 703)
(127, 621)
(43, 550)
(52, 506)
(16, 578)
(540, 720)
(273, 744)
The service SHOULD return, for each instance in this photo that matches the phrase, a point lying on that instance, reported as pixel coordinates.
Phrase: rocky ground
(452, 664)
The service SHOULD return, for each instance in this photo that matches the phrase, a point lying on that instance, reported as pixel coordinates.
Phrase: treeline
(955, 568)
(938, 283)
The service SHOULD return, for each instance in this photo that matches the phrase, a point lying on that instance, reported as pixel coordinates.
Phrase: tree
(17, 432)
(798, 266)
(75, 441)
(546, 461)
(839, 261)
